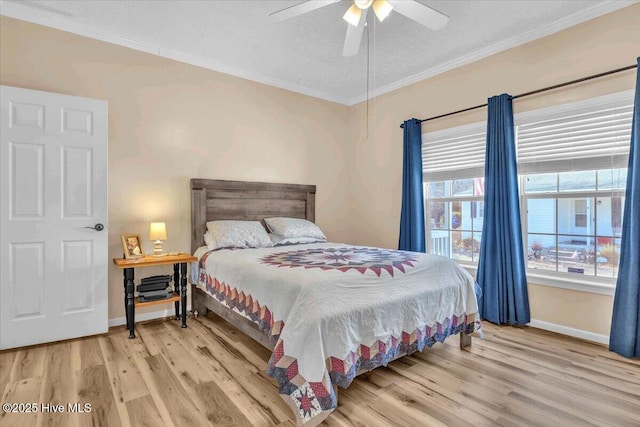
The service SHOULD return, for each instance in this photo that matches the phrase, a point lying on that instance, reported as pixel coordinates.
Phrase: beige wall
(169, 122)
(598, 45)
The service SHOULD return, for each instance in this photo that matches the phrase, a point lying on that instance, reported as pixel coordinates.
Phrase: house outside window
(454, 189)
(455, 211)
(572, 162)
(574, 230)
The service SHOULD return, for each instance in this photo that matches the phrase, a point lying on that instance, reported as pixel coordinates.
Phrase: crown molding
(65, 22)
(551, 28)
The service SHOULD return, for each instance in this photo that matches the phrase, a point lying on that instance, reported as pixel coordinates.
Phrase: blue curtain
(501, 268)
(625, 325)
(412, 214)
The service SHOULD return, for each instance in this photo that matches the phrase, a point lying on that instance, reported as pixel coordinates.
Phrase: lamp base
(157, 248)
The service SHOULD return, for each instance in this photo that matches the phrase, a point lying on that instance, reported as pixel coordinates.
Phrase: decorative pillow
(294, 227)
(279, 240)
(239, 234)
(210, 241)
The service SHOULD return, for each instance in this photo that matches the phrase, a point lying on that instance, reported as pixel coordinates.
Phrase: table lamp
(157, 232)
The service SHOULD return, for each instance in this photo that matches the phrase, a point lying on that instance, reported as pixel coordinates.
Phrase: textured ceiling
(304, 54)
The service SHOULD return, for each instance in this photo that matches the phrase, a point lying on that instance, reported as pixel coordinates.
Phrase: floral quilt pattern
(345, 259)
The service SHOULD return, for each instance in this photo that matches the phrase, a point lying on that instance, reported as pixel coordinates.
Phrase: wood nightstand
(179, 278)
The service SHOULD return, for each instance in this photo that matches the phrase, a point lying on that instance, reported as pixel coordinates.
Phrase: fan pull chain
(368, 53)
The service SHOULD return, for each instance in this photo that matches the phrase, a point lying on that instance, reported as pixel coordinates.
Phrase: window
(581, 213)
(574, 231)
(572, 160)
(455, 209)
(453, 163)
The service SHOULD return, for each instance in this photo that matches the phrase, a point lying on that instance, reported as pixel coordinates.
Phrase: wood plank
(88, 351)
(337, 419)
(185, 367)
(257, 206)
(173, 298)
(227, 351)
(144, 413)
(432, 400)
(58, 385)
(7, 358)
(214, 184)
(219, 408)
(94, 387)
(254, 209)
(363, 415)
(198, 217)
(256, 194)
(28, 363)
(22, 391)
(154, 390)
(265, 391)
(173, 396)
(123, 346)
(311, 206)
(151, 261)
(126, 381)
(151, 337)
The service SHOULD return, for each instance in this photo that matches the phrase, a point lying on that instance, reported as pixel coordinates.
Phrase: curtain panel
(625, 325)
(501, 267)
(412, 225)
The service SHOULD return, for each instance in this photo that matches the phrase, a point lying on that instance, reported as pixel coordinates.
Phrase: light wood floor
(211, 374)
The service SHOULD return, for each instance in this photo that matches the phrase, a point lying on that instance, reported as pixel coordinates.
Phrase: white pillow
(279, 240)
(239, 234)
(294, 227)
(210, 241)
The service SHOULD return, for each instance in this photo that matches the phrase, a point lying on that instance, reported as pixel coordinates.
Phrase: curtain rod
(534, 92)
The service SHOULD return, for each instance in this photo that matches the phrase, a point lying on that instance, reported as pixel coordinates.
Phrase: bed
(327, 311)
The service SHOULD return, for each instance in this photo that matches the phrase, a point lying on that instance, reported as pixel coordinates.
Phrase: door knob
(97, 227)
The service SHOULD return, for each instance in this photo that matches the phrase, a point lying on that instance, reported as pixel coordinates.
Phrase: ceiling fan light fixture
(362, 4)
(353, 15)
(382, 9)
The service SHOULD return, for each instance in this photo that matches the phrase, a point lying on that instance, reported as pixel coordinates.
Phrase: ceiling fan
(356, 16)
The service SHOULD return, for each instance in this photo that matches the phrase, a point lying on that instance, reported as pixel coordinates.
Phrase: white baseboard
(572, 332)
(141, 317)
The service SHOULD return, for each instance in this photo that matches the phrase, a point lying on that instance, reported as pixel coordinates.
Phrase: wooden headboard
(213, 199)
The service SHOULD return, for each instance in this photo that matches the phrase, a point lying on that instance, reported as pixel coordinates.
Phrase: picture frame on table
(132, 246)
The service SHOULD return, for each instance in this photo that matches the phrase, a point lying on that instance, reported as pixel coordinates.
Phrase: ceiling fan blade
(354, 37)
(420, 13)
(299, 9)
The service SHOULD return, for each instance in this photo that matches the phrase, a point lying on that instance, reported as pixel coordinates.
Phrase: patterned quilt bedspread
(333, 310)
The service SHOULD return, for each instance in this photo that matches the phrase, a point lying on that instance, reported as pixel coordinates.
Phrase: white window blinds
(586, 135)
(592, 137)
(455, 153)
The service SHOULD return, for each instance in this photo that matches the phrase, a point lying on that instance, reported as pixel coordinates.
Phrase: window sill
(592, 286)
(583, 285)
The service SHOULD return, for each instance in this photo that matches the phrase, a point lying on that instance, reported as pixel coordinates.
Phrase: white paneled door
(53, 237)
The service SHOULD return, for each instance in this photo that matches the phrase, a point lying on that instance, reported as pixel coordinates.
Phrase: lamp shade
(157, 231)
